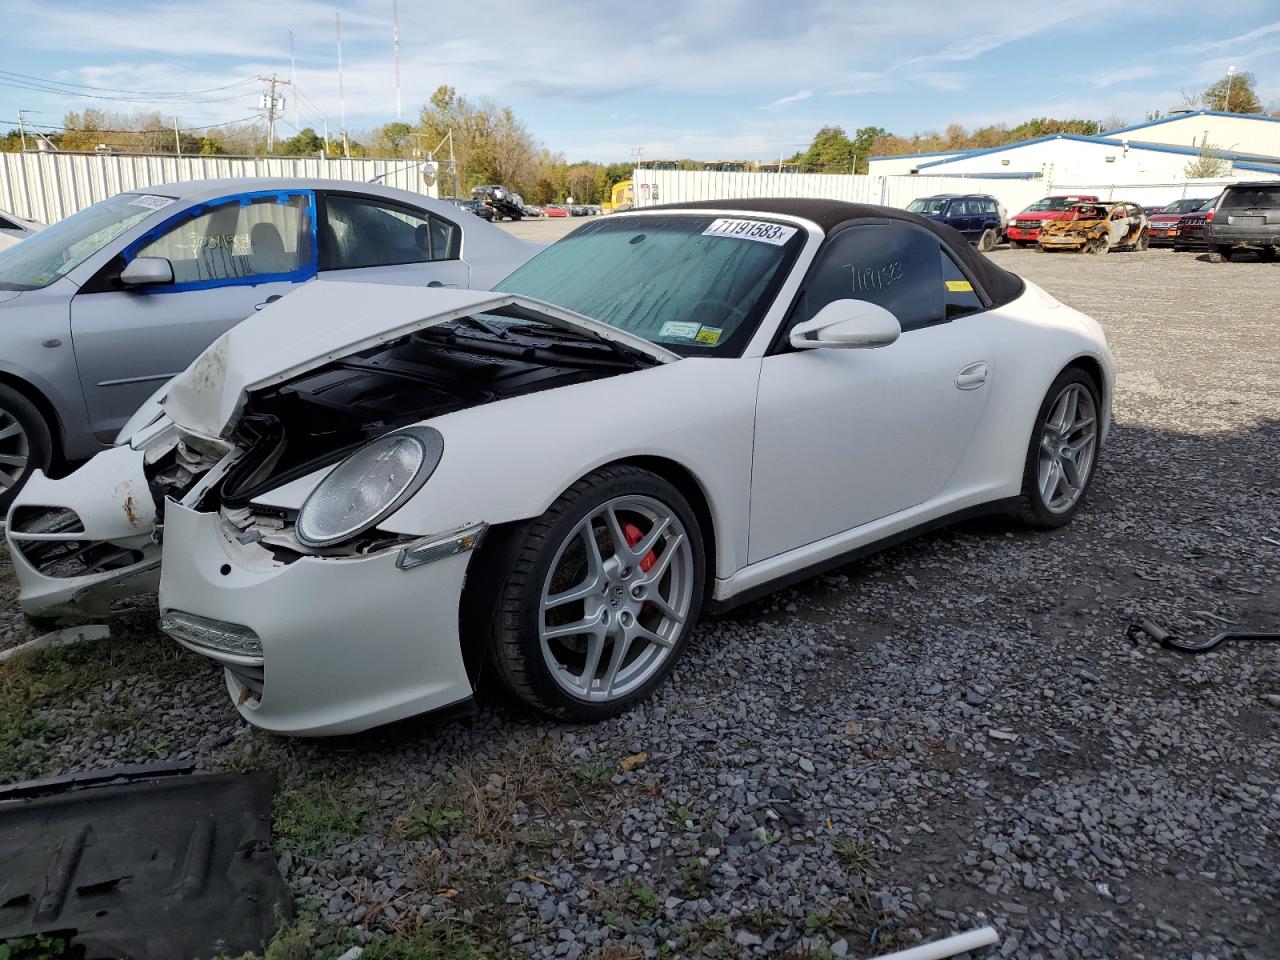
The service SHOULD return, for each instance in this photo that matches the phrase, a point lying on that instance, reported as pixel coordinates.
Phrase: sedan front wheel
(601, 597)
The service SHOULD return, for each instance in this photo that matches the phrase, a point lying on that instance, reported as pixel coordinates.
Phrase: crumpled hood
(327, 319)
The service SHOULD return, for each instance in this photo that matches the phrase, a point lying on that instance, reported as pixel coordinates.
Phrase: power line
(140, 93)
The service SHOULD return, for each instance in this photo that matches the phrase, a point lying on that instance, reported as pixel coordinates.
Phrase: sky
(704, 79)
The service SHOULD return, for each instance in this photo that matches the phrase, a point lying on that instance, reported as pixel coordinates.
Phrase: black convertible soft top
(1000, 285)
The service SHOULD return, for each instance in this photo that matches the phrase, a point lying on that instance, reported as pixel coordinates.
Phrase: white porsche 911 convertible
(373, 498)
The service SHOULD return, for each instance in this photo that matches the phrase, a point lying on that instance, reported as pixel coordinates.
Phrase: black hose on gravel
(1166, 639)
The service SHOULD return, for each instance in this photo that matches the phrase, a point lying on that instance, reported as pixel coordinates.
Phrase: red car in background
(555, 210)
(1024, 229)
(1163, 228)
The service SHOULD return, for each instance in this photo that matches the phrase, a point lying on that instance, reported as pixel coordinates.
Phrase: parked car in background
(103, 307)
(13, 229)
(1162, 227)
(1192, 228)
(1246, 216)
(1024, 229)
(1097, 228)
(533, 211)
(976, 216)
(378, 506)
(503, 202)
(481, 210)
(1153, 208)
(555, 210)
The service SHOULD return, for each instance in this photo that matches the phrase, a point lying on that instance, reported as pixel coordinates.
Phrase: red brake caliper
(634, 536)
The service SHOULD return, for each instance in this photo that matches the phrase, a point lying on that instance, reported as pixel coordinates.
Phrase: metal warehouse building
(1153, 152)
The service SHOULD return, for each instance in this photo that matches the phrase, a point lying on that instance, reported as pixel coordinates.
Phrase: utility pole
(272, 104)
(22, 130)
(342, 101)
(177, 140)
(395, 34)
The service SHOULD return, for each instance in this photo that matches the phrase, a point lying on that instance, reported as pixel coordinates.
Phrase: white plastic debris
(950, 947)
(60, 638)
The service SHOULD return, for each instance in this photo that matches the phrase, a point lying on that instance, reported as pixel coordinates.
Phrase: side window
(243, 238)
(958, 208)
(961, 298)
(6, 225)
(989, 207)
(894, 265)
(364, 232)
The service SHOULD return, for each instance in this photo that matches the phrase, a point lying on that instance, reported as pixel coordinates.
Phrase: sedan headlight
(369, 486)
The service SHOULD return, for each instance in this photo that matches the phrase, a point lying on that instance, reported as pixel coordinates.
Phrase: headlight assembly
(369, 486)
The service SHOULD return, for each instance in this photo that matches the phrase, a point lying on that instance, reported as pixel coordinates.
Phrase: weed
(592, 777)
(695, 877)
(423, 821)
(682, 816)
(856, 855)
(312, 818)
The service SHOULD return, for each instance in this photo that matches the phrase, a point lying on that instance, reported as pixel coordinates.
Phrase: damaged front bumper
(82, 541)
(313, 645)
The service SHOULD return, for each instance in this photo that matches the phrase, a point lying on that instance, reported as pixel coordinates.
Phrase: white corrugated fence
(50, 186)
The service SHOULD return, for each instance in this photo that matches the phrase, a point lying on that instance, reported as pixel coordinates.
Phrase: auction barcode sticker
(774, 233)
(151, 201)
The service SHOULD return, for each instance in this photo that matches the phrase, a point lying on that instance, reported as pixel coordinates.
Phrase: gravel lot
(955, 732)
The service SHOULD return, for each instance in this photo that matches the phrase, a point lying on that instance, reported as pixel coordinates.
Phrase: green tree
(1209, 164)
(395, 137)
(1243, 98)
(830, 152)
(305, 143)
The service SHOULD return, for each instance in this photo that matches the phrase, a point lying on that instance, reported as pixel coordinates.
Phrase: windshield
(696, 284)
(1052, 203)
(1183, 206)
(57, 249)
(928, 205)
(1240, 197)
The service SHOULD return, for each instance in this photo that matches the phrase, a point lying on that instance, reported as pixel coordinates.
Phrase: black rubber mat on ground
(152, 865)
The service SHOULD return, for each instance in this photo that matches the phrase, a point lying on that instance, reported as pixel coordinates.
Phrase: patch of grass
(311, 819)
(856, 855)
(41, 947)
(34, 682)
(439, 940)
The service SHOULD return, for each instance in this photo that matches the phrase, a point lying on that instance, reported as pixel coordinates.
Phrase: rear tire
(1268, 254)
(1054, 484)
(637, 609)
(987, 242)
(1219, 254)
(26, 444)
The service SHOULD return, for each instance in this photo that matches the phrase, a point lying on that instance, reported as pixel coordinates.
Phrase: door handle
(271, 299)
(973, 376)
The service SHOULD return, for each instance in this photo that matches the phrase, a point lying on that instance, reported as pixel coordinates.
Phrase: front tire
(601, 596)
(1063, 452)
(26, 444)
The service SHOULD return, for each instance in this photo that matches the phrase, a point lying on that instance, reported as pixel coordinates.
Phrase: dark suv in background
(976, 215)
(1246, 216)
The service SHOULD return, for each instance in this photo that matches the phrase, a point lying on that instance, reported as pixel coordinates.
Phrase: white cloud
(793, 98)
(1229, 43)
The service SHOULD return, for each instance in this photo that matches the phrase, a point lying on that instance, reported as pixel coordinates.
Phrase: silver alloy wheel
(613, 607)
(1067, 447)
(15, 451)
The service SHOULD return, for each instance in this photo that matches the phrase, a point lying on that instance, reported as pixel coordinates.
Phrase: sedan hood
(326, 319)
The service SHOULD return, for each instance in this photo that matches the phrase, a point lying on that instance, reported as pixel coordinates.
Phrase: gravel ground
(955, 732)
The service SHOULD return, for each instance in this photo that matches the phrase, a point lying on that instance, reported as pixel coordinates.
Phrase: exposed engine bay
(316, 419)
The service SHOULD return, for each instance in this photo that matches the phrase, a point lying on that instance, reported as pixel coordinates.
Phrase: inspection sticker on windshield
(774, 233)
(151, 201)
(709, 335)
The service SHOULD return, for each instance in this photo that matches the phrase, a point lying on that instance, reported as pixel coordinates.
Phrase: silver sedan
(100, 309)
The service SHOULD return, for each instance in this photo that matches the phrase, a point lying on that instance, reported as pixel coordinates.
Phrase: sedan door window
(363, 232)
(248, 239)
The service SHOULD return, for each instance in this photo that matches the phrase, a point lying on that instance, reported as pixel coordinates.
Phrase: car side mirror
(847, 325)
(147, 272)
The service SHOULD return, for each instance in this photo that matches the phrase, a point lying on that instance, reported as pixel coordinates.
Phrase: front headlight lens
(368, 486)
